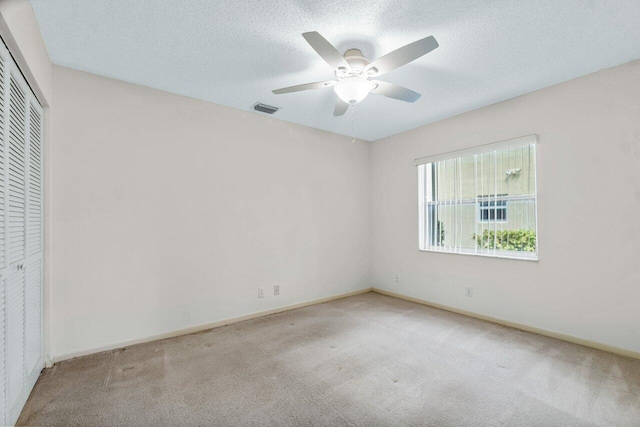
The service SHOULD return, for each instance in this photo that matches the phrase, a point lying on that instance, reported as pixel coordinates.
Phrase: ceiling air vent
(263, 108)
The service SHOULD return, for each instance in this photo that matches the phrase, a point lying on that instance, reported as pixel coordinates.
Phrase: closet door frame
(12, 409)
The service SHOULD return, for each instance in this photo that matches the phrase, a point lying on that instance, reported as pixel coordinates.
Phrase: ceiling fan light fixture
(353, 71)
(353, 89)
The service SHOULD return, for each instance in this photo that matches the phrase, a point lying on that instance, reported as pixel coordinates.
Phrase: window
(481, 201)
(492, 210)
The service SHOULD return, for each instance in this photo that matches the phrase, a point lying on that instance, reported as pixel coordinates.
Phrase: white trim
(521, 326)
(515, 255)
(487, 148)
(204, 327)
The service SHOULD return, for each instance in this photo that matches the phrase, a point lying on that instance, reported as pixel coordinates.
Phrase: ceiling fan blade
(306, 86)
(402, 56)
(394, 91)
(341, 108)
(326, 50)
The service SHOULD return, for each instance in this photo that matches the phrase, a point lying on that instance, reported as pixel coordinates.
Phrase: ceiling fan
(355, 74)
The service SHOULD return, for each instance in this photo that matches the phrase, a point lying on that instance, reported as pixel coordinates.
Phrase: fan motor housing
(356, 60)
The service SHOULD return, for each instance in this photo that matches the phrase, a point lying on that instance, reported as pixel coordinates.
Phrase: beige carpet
(365, 360)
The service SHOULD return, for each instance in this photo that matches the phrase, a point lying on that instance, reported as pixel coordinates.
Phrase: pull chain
(353, 124)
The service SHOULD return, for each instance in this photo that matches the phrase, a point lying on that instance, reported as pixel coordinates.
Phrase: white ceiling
(234, 52)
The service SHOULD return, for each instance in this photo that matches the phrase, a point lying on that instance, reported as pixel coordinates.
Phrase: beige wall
(587, 281)
(170, 212)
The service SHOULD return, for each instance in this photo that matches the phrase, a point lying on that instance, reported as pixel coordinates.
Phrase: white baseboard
(48, 362)
(224, 322)
(587, 343)
(204, 327)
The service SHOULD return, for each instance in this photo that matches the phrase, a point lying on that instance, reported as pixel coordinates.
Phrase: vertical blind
(21, 165)
(481, 201)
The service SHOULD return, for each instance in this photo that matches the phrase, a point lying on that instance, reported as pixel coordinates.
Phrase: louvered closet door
(33, 291)
(15, 248)
(21, 147)
(3, 300)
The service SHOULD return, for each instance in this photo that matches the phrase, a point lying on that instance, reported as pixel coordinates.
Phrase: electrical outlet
(276, 290)
(469, 291)
(260, 293)
(397, 277)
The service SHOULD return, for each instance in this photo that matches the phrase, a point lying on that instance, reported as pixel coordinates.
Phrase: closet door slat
(16, 168)
(33, 317)
(34, 220)
(15, 337)
(3, 110)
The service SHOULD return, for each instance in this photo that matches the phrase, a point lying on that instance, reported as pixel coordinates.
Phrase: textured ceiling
(234, 53)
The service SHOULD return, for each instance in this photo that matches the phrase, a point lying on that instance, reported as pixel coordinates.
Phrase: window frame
(491, 206)
(424, 204)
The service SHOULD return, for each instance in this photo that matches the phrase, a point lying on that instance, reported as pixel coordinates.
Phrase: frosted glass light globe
(353, 89)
